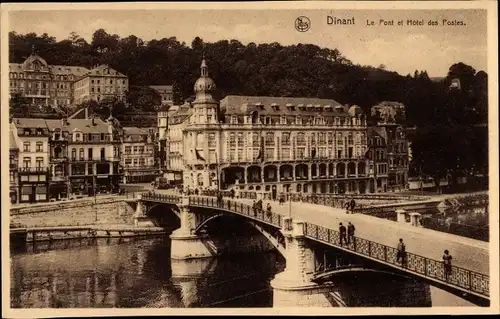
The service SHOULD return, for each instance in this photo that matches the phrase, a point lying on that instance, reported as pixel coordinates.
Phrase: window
(26, 147)
(350, 139)
(322, 138)
(255, 140)
(240, 140)
(141, 149)
(135, 149)
(103, 153)
(39, 162)
(301, 139)
(128, 161)
(73, 153)
(211, 140)
(285, 139)
(141, 161)
(135, 161)
(269, 138)
(39, 146)
(90, 154)
(128, 150)
(232, 140)
(26, 161)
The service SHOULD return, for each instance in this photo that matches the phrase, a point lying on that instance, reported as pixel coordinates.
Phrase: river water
(136, 273)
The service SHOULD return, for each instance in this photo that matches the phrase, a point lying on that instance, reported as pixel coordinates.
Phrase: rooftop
(83, 125)
(236, 104)
(12, 141)
(132, 130)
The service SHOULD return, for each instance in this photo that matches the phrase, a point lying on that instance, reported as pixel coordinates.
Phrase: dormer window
(283, 120)
(268, 120)
(234, 119)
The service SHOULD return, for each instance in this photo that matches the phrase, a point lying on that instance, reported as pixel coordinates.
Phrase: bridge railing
(239, 208)
(459, 277)
(164, 198)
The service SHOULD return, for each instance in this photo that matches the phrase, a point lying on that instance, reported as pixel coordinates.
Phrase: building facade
(138, 155)
(99, 83)
(377, 156)
(32, 138)
(13, 169)
(61, 85)
(268, 143)
(166, 93)
(94, 156)
(65, 158)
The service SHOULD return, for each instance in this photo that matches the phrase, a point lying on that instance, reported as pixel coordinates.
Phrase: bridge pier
(140, 218)
(292, 287)
(186, 244)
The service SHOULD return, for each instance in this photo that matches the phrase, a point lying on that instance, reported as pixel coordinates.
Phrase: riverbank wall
(83, 212)
(23, 235)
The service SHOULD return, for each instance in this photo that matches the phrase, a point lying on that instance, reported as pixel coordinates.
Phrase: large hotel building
(59, 85)
(282, 144)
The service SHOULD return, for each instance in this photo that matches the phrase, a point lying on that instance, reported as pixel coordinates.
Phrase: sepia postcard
(249, 158)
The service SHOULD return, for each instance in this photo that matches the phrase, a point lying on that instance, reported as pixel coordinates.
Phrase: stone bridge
(307, 239)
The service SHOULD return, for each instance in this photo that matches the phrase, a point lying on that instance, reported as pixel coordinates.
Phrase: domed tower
(201, 136)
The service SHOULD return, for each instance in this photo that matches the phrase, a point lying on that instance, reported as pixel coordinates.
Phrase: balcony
(33, 169)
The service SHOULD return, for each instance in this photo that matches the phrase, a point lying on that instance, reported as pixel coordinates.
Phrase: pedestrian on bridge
(447, 264)
(352, 205)
(401, 253)
(342, 232)
(350, 234)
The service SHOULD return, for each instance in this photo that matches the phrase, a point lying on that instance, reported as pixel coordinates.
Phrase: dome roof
(355, 110)
(204, 84)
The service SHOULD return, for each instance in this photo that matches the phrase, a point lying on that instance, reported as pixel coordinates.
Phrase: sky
(403, 49)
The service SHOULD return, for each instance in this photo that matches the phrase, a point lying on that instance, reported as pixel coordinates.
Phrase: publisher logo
(302, 24)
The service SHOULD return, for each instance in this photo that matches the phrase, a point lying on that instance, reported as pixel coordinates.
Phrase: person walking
(447, 264)
(350, 234)
(352, 205)
(401, 252)
(342, 231)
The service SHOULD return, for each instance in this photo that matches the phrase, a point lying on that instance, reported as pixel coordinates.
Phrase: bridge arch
(274, 235)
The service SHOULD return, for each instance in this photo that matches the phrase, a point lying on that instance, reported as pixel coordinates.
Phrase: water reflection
(136, 273)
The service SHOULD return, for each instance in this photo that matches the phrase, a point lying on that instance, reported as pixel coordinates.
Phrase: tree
(144, 98)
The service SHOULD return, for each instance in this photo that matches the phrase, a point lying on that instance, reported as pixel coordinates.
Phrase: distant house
(455, 84)
(165, 91)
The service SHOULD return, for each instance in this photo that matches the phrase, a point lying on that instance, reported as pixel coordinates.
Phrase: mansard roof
(268, 105)
(103, 70)
(77, 71)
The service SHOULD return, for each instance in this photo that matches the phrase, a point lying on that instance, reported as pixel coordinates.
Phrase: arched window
(200, 179)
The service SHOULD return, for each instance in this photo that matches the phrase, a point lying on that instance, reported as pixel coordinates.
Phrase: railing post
(369, 248)
(385, 253)
(425, 266)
